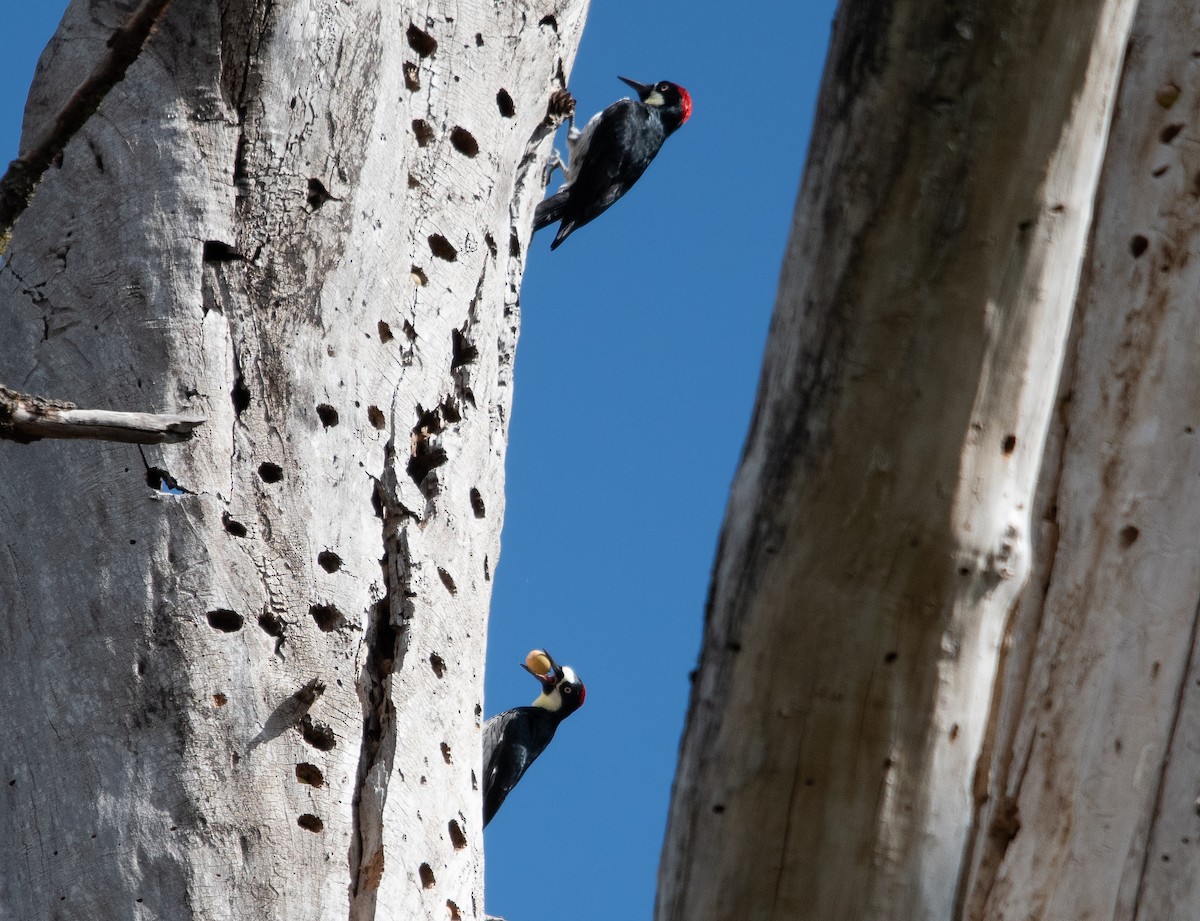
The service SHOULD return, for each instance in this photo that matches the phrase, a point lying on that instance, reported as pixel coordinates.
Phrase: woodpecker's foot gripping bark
(561, 105)
(555, 162)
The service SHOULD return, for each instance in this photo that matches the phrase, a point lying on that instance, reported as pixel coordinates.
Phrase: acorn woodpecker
(512, 740)
(610, 154)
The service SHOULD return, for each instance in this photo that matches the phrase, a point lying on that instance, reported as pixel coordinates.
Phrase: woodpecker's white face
(552, 699)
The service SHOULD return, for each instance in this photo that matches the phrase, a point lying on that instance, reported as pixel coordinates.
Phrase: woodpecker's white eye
(663, 87)
(567, 689)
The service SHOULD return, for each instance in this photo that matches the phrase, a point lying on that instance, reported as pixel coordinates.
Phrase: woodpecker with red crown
(512, 740)
(610, 154)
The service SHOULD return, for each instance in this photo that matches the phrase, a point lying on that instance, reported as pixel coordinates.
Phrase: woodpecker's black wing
(512, 740)
(627, 137)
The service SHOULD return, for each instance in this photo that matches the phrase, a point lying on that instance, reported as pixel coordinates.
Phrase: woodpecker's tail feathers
(551, 209)
(565, 229)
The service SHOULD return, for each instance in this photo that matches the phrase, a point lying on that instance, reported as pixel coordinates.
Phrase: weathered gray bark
(38, 153)
(307, 222)
(1094, 779)
(877, 534)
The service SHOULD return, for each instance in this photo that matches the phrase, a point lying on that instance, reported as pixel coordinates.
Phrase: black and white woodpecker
(610, 154)
(512, 740)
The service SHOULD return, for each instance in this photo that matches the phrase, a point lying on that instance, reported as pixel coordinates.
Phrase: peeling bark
(276, 220)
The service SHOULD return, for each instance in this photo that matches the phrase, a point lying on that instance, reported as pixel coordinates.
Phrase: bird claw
(555, 162)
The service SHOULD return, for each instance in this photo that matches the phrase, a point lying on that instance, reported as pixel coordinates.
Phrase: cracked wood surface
(24, 173)
(877, 533)
(306, 222)
(1091, 808)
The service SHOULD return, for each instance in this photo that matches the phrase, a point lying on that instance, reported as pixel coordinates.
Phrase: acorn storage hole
(239, 395)
(442, 248)
(317, 194)
(225, 620)
(327, 414)
(271, 624)
(421, 41)
(309, 774)
(427, 454)
(328, 618)
(427, 878)
(457, 838)
(423, 132)
(462, 350)
(310, 822)
(329, 561)
(317, 734)
(412, 79)
(504, 102)
(464, 142)
(219, 251)
(270, 472)
(232, 525)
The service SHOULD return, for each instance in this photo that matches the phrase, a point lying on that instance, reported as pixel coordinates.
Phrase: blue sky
(636, 370)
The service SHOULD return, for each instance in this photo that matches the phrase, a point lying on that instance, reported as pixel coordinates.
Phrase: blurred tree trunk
(257, 695)
(873, 734)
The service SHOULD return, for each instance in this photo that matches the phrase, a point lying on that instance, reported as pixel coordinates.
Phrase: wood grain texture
(307, 222)
(1093, 776)
(877, 533)
(25, 172)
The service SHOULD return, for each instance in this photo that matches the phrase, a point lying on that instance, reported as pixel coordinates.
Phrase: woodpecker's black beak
(552, 677)
(643, 90)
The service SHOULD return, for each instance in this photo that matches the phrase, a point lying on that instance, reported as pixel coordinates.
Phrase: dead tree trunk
(243, 675)
(878, 531)
(1093, 791)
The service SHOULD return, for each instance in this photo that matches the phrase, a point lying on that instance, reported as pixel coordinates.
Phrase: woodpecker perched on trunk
(514, 738)
(611, 152)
